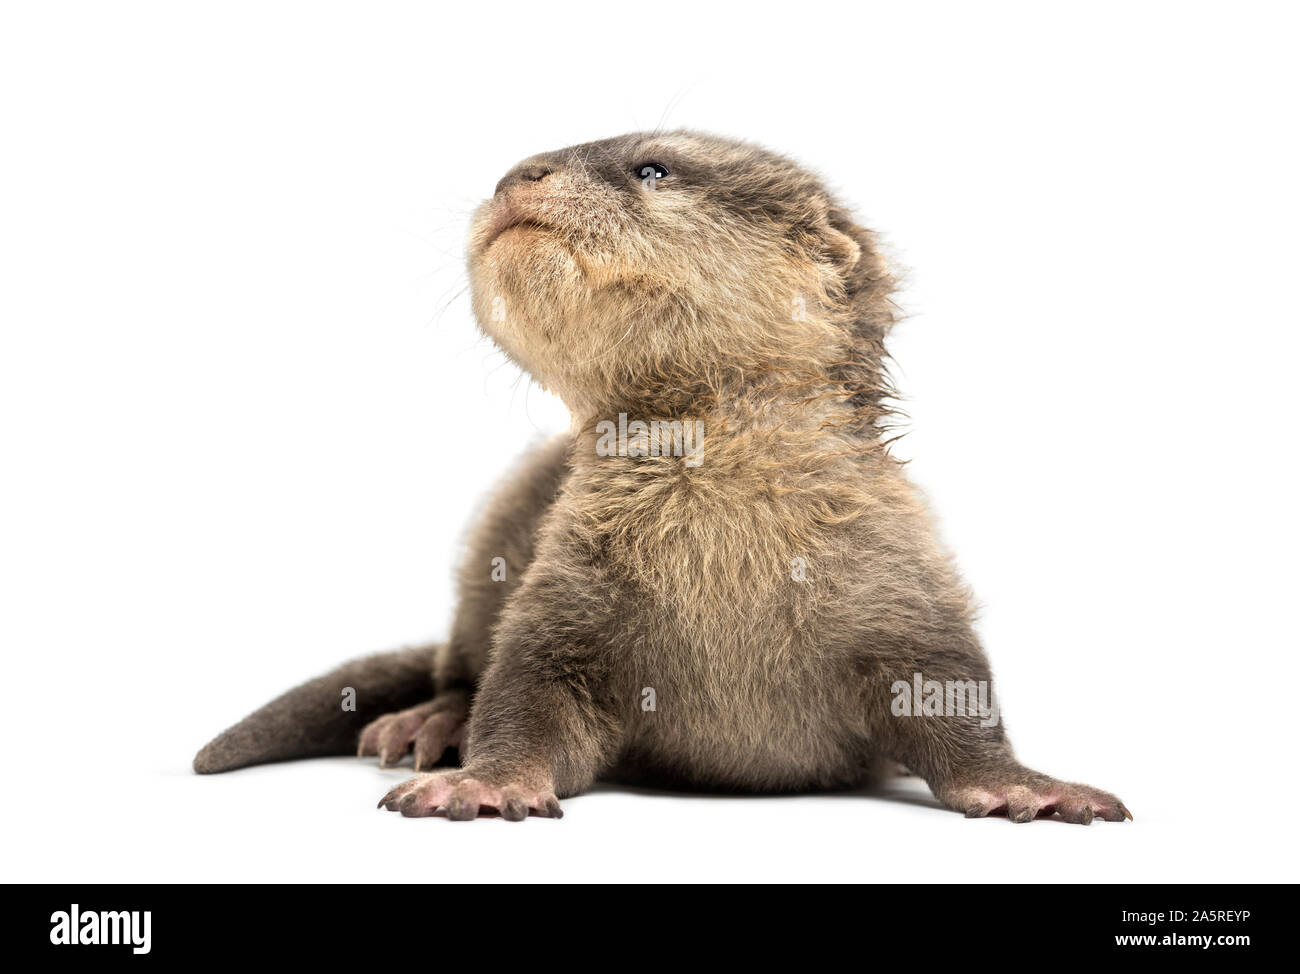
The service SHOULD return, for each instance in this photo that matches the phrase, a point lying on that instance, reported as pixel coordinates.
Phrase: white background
(247, 416)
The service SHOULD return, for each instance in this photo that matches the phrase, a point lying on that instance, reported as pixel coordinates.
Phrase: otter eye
(650, 171)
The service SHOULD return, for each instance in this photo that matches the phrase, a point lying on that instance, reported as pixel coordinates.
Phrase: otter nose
(525, 172)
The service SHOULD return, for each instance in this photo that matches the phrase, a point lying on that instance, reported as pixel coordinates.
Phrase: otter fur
(743, 614)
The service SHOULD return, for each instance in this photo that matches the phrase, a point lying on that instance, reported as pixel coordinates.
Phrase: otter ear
(843, 248)
(836, 234)
(867, 276)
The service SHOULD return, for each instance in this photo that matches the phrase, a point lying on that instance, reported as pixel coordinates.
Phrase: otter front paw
(431, 728)
(1023, 795)
(466, 795)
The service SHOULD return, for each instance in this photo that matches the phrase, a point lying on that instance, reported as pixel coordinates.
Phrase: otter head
(657, 265)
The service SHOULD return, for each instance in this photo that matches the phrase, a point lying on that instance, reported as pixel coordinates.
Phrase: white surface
(247, 418)
(316, 821)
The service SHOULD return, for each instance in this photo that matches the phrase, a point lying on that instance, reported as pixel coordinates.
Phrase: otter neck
(814, 409)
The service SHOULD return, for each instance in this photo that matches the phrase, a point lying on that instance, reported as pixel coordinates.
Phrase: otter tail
(311, 720)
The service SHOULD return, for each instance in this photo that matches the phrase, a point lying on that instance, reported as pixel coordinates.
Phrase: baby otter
(720, 578)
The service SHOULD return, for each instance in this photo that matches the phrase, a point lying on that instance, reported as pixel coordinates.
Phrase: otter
(764, 609)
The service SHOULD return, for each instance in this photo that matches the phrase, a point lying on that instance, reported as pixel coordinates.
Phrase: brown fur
(735, 291)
